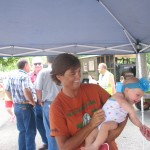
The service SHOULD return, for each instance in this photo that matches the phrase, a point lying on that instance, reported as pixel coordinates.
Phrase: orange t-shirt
(67, 114)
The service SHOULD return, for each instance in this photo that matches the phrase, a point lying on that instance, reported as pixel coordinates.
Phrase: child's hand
(142, 127)
(145, 132)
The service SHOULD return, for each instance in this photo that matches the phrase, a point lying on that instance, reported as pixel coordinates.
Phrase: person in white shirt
(46, 91)
(106, 79)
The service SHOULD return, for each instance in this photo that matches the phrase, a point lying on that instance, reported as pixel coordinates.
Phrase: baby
(116, 109)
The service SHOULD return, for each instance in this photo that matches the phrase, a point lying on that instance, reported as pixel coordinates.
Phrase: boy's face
(134, 95)
(71, 78)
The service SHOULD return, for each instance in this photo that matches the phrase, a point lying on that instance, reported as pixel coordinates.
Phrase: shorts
(8, 104)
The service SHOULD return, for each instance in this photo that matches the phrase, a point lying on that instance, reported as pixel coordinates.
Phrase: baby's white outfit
(113, 112)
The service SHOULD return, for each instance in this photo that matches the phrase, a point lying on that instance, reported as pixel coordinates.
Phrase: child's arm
(132, 115)
(134, 119)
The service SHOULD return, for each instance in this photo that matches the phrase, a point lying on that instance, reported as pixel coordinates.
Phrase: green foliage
(148, 61)
(148, 57)
(8, 63)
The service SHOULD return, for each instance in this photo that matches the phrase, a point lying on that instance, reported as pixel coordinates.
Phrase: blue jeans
(26, 125)
(39, 122)
(51, 140)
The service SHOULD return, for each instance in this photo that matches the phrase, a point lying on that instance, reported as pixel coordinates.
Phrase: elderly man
(37, 66)
(106, 79)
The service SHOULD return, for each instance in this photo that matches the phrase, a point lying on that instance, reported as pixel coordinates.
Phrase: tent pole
(144, 49)
(140, 75)
(114, 17)
(130, 41)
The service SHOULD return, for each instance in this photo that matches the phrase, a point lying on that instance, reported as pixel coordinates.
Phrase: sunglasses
(35, 64)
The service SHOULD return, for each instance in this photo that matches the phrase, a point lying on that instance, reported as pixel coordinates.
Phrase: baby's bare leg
(103, 132)
(91, 137)
(102, 135)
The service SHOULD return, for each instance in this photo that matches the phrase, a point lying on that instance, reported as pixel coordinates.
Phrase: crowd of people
(72, 118)
(32, 95)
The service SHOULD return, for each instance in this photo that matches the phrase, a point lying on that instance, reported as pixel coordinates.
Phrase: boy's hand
(97, 118)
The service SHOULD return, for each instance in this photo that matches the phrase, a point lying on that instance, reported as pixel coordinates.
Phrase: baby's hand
(142, 127)
(145, 132)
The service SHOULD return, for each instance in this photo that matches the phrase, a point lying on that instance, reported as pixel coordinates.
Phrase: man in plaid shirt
(18, 88)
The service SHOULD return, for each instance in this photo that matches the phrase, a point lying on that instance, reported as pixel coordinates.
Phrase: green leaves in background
(8, 63)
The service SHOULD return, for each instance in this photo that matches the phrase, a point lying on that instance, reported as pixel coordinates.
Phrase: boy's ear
(59, 77)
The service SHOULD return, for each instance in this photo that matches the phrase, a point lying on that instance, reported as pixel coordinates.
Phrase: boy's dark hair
(62, 63)
(21, 63)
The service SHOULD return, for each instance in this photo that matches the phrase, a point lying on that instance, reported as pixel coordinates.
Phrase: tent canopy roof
(50, 27)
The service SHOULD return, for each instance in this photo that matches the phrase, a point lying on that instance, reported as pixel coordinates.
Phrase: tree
(148, 61)
(8, 63)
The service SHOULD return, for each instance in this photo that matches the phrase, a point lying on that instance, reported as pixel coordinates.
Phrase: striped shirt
(16, 84)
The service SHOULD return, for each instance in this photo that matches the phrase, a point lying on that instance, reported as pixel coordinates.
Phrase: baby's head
(134, 88)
